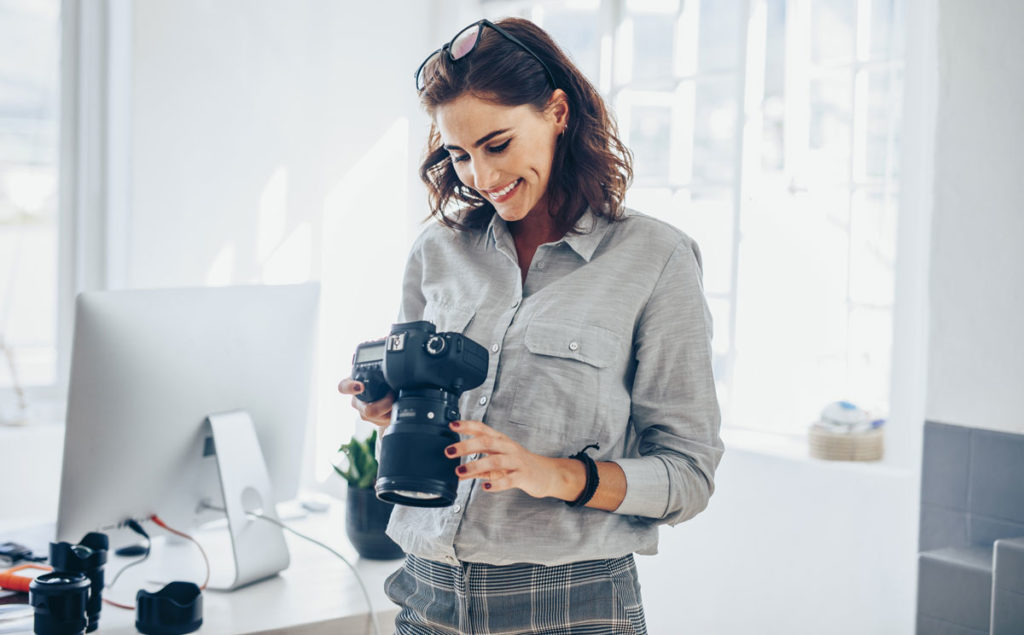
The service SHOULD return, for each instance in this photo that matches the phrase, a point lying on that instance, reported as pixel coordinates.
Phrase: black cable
(137, 528)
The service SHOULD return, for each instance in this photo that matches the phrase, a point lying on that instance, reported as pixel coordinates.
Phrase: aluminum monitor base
(258, 546)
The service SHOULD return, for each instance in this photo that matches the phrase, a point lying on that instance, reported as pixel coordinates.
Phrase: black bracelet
(592, 478)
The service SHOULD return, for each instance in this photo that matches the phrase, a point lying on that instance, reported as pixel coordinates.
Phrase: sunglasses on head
(465, 42)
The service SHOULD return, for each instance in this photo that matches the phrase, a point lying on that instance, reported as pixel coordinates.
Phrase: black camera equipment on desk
(428, 371)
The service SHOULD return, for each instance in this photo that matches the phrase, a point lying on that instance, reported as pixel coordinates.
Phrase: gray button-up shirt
(608, 342)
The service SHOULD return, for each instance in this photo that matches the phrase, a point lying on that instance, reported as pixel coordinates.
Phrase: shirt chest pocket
(448, 317)
(562, 385)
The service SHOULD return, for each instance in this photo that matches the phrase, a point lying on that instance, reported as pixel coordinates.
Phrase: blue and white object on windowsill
(846, 432)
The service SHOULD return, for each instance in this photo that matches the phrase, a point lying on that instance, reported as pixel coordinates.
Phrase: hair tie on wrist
(592, 478)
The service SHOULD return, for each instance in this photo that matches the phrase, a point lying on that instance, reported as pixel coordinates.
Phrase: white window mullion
(94, 155)
(796, 133)
(740, 175)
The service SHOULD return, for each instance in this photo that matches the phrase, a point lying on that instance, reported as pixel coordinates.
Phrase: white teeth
(505, 190)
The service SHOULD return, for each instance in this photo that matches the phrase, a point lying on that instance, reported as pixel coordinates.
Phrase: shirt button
(457, 508)
(573, 346)
(483, 401)
(515, 305)
(451, 560)
(540, 265)
(495, 348)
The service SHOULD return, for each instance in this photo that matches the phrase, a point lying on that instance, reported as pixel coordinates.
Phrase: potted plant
(366, 516)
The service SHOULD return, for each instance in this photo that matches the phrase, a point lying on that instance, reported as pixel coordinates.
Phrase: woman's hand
(377, 412)
(507, 465)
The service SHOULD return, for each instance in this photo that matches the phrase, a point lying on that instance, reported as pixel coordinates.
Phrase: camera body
(428, 371)
(415, 355)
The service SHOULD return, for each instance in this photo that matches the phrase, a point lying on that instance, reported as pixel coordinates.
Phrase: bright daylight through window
(768, 130)
(29, 102)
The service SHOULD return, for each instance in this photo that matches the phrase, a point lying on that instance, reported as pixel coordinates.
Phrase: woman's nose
(484, 175)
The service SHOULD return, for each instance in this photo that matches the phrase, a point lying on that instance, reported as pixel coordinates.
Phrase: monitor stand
(258, 546)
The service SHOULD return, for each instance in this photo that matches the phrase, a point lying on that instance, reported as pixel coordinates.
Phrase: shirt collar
(592, 231)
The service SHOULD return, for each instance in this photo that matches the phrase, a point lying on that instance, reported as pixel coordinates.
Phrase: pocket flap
(447, 316)
(586, 343)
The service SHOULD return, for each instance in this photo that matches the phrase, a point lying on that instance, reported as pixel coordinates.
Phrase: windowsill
(44, 409)
(794, 448)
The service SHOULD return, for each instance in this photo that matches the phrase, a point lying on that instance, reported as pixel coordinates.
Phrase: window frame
(93, 177)
(749, 79)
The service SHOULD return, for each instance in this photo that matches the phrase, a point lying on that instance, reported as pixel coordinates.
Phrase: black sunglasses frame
(480, 24)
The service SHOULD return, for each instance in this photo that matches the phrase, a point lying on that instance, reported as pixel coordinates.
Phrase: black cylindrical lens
(413, 467)
(59, 601)
(86, 557)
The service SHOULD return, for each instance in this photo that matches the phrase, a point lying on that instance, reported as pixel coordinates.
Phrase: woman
(598, 419)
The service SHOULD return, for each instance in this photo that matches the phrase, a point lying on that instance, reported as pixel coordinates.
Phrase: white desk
(318, 593)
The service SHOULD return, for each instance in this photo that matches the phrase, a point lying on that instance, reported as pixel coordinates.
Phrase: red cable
(156, 519)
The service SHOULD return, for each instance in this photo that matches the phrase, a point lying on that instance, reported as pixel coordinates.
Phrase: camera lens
(59, 601)
(87, 557)
(413, 467)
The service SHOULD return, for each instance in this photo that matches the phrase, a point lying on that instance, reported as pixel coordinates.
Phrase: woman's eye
(459, 158)
(499, 148)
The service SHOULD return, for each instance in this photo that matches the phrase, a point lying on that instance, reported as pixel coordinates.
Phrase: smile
(504, 193)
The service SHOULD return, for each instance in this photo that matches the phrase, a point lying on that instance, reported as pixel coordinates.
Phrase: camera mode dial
(436, 346)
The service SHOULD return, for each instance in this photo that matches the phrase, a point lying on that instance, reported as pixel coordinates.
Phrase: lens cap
(173, 610)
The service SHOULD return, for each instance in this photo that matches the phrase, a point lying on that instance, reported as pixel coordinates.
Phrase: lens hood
(173, 610)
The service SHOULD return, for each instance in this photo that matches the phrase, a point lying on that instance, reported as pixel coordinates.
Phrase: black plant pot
(366, 518)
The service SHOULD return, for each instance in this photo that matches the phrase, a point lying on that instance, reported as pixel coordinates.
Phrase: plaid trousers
(590, 597)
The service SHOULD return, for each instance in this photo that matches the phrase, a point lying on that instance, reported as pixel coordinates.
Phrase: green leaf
(362, 465)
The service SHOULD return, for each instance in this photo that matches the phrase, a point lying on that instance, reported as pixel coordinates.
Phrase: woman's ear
(558, 109)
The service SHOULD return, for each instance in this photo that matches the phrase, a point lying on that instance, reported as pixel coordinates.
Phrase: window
(768, 130)
(29, 153)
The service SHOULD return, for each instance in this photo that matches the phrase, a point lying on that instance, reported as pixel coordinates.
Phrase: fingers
(481, 438)
(468, 426)
(378, 409)
(350, 387)
(378, 412)
(489, 467)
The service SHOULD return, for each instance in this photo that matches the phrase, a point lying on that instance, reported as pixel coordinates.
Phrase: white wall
(278, 142)
(976, 367)
(794, 546)
(266, 142)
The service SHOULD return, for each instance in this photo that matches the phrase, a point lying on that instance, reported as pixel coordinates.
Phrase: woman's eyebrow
(479, 142)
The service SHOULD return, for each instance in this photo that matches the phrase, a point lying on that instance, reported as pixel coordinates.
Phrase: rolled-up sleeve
(674, 407)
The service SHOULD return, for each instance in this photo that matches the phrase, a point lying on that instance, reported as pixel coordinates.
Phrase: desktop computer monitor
(151, 372)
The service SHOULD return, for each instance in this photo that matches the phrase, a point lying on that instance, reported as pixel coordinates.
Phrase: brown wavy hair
(591, 167)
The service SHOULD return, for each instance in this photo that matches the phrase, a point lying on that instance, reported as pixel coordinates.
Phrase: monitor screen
(149, 366)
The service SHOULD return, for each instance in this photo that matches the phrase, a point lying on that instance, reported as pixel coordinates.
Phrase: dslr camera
(428, 371)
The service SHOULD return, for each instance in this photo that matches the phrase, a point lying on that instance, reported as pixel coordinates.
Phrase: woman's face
(502, 152)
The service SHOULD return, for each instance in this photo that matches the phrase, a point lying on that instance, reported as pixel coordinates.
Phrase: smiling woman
(598, 420)
(500, 74)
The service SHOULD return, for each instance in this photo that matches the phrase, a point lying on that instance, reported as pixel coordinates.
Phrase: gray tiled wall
(972, 495)
(972, 486)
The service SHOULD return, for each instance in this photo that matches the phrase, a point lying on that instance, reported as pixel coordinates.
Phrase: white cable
(149, 546)
(359, 578)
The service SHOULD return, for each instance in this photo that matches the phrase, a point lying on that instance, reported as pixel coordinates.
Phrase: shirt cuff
(646, 487)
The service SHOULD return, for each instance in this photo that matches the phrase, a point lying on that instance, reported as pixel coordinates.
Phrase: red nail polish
(487, 486)
(450, 450)
(461, 469)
